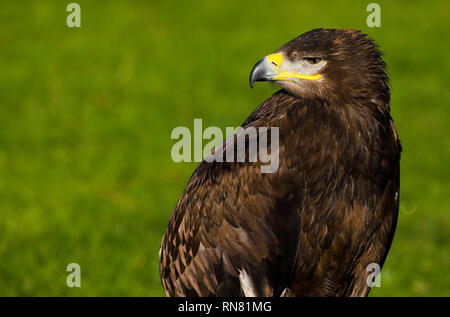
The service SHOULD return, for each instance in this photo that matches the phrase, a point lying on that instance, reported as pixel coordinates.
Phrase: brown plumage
(312, 227)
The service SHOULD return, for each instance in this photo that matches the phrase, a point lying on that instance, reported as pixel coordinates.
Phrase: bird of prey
(312, 227)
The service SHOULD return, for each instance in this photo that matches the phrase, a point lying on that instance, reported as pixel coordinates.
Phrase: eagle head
(331, 64)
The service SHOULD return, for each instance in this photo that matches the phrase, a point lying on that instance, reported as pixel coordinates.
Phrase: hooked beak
(269, 68)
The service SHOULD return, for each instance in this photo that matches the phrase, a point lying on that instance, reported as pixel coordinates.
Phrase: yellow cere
(275, 60)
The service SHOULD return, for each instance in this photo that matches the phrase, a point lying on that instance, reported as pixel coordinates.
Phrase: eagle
(315, 225)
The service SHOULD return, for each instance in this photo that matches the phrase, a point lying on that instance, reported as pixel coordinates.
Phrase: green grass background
(86, 114)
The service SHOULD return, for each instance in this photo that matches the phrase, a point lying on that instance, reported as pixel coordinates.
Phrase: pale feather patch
(286, 292)
(247, 284)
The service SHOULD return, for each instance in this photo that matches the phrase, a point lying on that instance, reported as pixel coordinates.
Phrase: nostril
(274, 64)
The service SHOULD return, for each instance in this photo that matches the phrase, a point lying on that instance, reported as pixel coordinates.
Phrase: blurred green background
(86, 114)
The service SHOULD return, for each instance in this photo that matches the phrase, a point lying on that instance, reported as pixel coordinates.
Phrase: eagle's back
(311, 228)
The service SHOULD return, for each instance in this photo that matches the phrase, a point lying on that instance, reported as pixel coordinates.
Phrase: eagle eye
(312, 60)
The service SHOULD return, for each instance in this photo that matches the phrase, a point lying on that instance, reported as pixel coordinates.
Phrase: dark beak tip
(257, 73)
